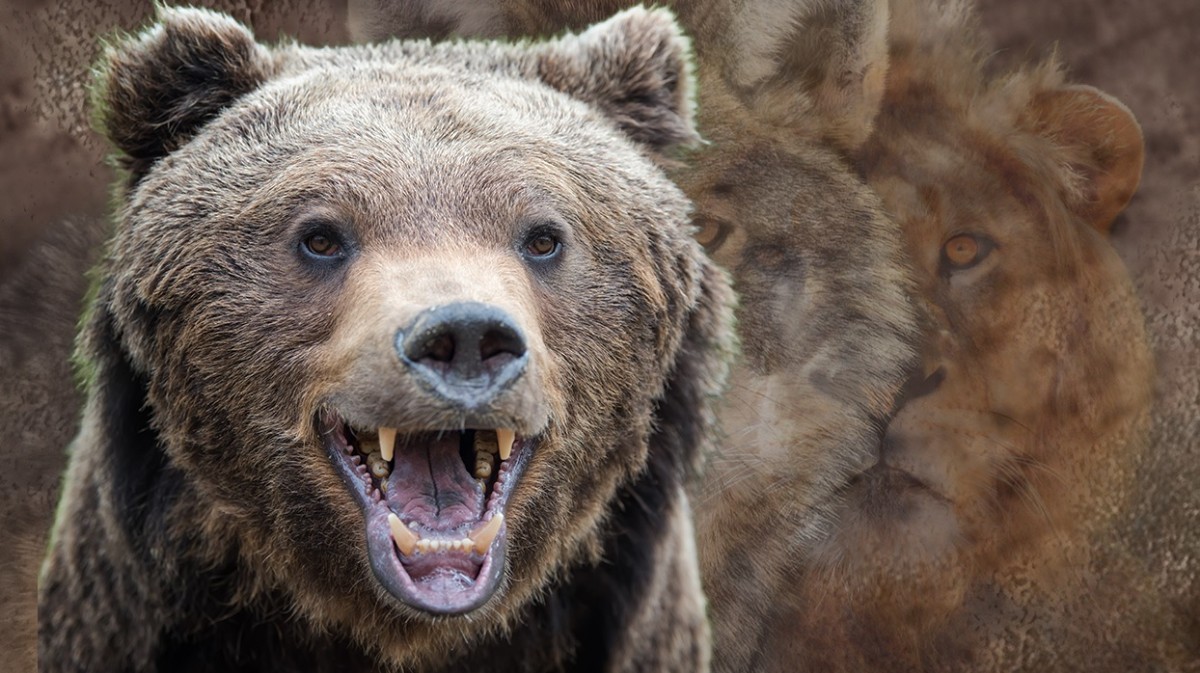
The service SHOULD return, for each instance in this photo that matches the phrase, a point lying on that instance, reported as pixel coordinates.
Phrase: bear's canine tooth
(387, 443)
(482, 538)
(378, 466)
(405, 539)
(504, 438)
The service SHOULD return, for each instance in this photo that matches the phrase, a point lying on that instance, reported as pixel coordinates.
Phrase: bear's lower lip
(436, 534)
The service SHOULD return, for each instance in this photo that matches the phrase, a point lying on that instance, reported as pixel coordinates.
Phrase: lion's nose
(466, 352)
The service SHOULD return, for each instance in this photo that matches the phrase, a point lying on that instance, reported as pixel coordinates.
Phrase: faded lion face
(1035, 371)
(405, 315)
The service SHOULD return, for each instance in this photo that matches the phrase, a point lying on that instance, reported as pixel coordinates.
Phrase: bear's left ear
(155, 90)
(636, 68)
(1103, 143)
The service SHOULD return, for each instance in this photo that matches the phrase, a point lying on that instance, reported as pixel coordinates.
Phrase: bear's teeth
(405, 539)
(433, 546)
(387, 443)
(368, 446)
(482, 538)
(378, 466)
(483, 465)
(504, 438)
(485, 442)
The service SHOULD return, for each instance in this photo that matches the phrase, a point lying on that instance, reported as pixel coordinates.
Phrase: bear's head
(403, 320)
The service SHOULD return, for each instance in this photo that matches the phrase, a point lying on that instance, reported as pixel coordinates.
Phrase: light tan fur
(983, 538)
(979, 536)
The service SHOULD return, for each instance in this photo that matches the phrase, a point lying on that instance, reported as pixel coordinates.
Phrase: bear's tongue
(430, 488)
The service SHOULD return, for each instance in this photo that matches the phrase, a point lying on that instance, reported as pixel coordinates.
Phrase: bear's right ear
(153, 91)
(636, 68)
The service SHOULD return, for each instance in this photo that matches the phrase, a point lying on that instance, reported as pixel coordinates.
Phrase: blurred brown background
(54, 191)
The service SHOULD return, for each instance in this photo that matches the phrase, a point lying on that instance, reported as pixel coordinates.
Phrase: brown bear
(401, 357)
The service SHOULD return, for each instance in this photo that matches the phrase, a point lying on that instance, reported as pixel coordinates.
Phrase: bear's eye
(322, 245)
(963, 251)
(542, 245)
(711, 233)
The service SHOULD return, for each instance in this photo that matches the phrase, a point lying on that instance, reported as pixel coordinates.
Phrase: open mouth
(434, 506)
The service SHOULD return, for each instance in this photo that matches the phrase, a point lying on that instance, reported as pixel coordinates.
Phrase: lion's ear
(153, 91)
(636, 68)
(1103, 143)
(802, 61)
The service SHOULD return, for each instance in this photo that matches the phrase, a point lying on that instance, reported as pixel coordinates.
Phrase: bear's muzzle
(466, 353)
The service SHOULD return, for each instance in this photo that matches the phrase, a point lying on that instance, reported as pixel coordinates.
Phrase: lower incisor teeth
(463, 546)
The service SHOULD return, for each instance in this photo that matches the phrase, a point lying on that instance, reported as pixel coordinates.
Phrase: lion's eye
(965, 250)
(542, 245)
(322, 245)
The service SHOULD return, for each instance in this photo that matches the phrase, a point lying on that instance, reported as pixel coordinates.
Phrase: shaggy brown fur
(205, 524)
(974, 532)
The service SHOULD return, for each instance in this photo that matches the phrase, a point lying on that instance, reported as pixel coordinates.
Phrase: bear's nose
(466, 352)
